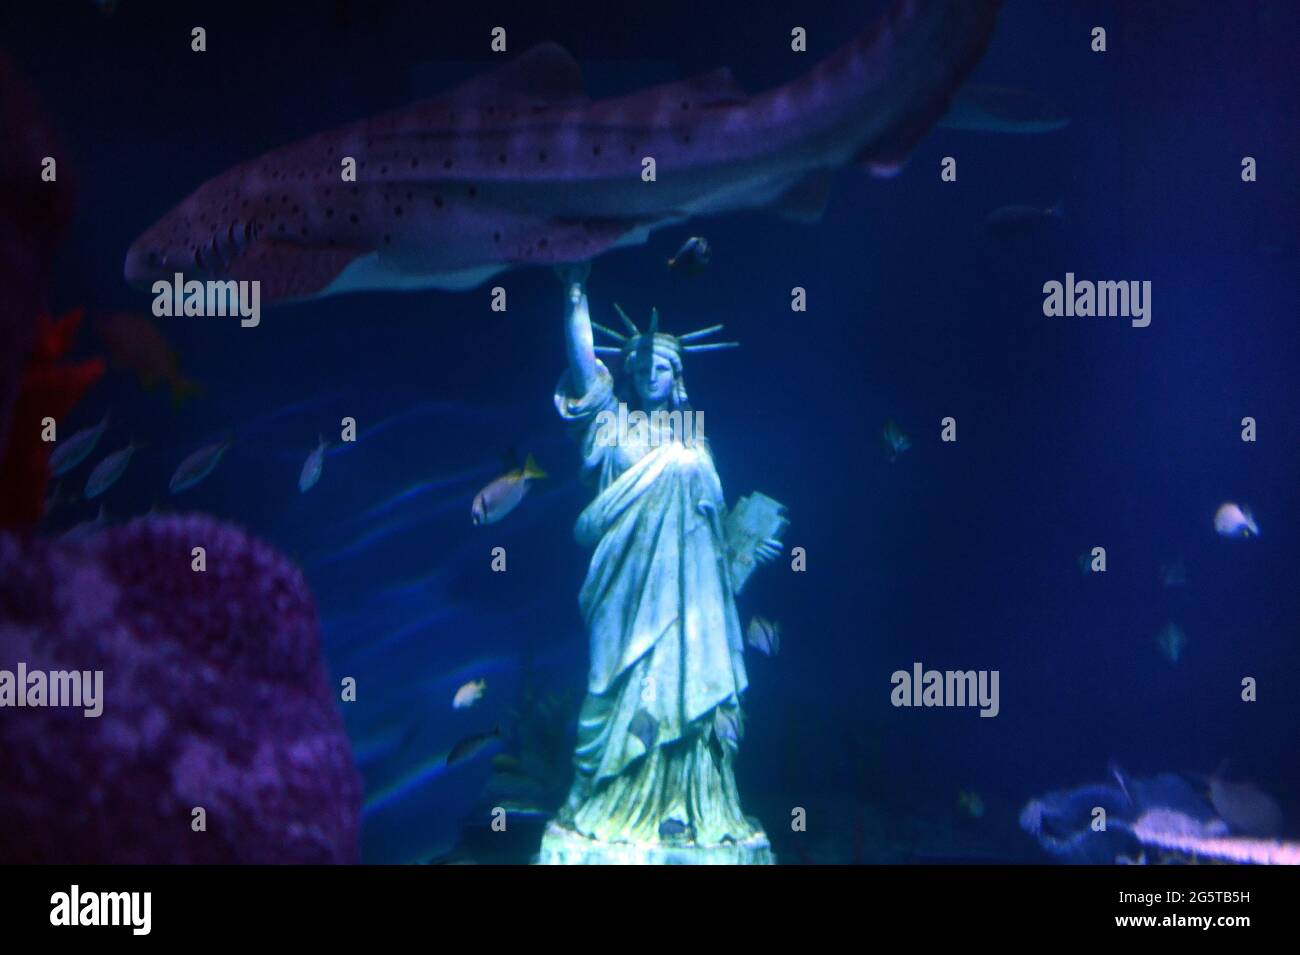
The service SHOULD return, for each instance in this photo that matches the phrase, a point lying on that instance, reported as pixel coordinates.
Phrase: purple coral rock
(214, 696)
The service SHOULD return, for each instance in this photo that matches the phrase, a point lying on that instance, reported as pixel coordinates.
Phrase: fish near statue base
(561, 846)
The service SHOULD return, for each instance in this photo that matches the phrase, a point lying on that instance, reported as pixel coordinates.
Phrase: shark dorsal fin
(545, 75)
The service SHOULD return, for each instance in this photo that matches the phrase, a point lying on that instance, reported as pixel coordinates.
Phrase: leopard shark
(519, 167)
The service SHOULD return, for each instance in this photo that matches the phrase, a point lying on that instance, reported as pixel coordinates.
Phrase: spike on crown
(629, 345)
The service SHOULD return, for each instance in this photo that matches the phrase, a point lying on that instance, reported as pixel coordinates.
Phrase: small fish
(57, 498)
(86, 528)
(504, 494)
(136, 344)
(971, 803)
(505, 763)
(1171, 641)
(1247, 809)
(198, 466)
(108, 471)
(894, 440)
(673, 829)
(1015, 222)
(644, 728)
(469, 694)
(68, 454)
(726, 726)
(1173, 573)
(471, 746)
(1002, 109)
(764, 635)
(693, 256)
(1233, 520)
(312, 467)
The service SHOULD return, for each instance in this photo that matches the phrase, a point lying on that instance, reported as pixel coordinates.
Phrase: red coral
(48, 388)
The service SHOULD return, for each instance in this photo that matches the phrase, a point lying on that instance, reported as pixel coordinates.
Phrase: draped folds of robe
(665, 638)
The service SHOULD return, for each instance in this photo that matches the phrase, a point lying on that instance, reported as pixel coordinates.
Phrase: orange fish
(137, 345)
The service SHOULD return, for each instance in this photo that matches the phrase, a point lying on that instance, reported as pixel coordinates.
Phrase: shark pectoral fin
(806, 200)
(289, 271)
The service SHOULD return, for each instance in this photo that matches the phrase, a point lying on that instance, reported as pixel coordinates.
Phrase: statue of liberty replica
(661, 723)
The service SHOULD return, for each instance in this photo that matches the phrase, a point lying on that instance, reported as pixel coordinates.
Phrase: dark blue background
(1072, 432)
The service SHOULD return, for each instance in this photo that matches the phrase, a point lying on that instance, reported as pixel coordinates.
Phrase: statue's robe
(664, 632)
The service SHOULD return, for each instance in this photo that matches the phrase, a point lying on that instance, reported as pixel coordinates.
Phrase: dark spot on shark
(541, 156)
(496, 236)
(353, 218)
(437, 201)
(685, 105)
(397, 210)
(409, 197)
(356, 190)
(414, 162)
(472, 192)
(446, 163)
(502, 159)
(388, 240)
(327, 190)
(329, 213)
(491, 110)
(541, 243)
(383, 170)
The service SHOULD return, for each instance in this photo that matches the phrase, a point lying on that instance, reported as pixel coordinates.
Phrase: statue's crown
(651, 338)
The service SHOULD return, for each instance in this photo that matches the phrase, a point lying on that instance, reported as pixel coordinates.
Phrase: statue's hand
(573, 273)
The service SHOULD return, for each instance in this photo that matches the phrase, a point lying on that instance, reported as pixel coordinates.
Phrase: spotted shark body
(518, 167)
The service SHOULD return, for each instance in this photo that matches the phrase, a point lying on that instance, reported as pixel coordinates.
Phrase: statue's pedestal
(562, 846)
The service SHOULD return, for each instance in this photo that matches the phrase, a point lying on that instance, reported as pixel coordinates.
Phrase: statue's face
(653, 378)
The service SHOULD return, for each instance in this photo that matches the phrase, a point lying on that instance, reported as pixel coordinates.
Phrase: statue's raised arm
(577, 327)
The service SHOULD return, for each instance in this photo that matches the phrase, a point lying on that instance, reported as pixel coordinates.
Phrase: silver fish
(1171, 641)
(68, 454)
(1233, 520)
(108, 471)
(86, 528)
(311, 468)
(1247, 809)
(764, 635)
(1002, 109)
(693, 256)
(726, 726)
(894, 440)
(504, 494)
(471, 746)
(197, 466)
(1017, 221)
(673, 829)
